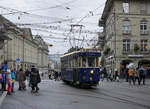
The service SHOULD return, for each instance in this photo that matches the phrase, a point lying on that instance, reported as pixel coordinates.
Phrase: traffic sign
(18, 60)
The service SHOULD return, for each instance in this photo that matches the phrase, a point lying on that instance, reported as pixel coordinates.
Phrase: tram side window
(97, 61)
(79, 61)
(76, 62)
(62, 64)
(83, 61)
(91, 61)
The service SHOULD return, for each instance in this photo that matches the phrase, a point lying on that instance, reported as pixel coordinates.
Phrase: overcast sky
(59, 14)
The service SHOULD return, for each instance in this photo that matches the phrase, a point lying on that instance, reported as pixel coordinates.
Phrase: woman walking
(21, 79)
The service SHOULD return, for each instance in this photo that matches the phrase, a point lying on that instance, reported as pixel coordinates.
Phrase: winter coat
(12, 75)
(131, 72)
(33, 76)
(21, 76)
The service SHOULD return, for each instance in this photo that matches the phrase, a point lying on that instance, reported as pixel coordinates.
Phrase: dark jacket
(35, 76)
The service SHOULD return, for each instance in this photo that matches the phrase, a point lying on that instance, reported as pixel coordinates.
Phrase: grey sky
(69, 9)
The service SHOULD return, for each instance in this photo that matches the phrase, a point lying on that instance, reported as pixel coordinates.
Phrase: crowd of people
(132, 75)
(56, 75)
(8, 78)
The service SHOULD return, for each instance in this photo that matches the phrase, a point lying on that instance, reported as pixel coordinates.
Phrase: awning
(4, 37)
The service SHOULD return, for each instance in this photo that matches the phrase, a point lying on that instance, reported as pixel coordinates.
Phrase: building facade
(126, 26)
(3, 37)
(42, 61)
(22, 50)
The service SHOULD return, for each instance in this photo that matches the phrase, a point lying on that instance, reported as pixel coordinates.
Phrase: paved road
(57, 95)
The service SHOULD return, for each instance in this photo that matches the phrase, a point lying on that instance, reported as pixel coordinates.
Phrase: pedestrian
(131, 76)
(142, 75)
(38, 80)
(21, 79)
(9, 88)
(136, 76)
(4, 75)
(126, 74)
(116, 75)
(49, 76)
(109, 77)
(13, 80)
(56, 75)
(27, 73)
(1, 77)
(34, 79)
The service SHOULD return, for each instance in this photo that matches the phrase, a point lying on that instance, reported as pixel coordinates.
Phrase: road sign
(18, 60)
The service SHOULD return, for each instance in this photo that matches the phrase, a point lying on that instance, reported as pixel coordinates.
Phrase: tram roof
(83, 51)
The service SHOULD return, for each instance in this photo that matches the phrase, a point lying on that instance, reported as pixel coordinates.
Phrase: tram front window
(84, 61)
(91, 62)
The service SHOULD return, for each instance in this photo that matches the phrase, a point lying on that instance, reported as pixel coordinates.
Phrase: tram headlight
(92, 71)
(91, 78)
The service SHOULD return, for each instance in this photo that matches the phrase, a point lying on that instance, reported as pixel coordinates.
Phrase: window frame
(126, 7)
(143, 26)
(143, 7)
(126, 26)
(144, 43)
(126, 45)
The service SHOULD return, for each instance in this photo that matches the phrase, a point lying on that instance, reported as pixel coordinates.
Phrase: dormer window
(143, 7)
(125, 7)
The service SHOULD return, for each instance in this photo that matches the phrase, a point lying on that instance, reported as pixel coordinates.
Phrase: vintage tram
(81, 67)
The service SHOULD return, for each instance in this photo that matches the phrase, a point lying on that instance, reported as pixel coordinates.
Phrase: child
(13, 80)
(9, 82)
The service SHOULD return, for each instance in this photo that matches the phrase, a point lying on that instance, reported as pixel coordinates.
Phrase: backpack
(141, 72)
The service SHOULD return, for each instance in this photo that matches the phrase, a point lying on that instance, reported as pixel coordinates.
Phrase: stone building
(126, 26)
(42, 62)
(22, 50)
(3, 37)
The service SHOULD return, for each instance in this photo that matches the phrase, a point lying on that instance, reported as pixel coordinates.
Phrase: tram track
(120, 99)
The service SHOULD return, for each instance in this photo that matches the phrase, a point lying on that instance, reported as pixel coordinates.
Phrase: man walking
(142, 75)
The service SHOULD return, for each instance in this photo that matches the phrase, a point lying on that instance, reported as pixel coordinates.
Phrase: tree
(102, 61)
(136, 48)
(107, 51)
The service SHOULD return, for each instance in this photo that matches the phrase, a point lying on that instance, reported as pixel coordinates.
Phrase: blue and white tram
(81, 67)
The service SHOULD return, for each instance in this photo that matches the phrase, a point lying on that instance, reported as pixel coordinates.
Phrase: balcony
(126, 52)
(144, 32)
(145, 52)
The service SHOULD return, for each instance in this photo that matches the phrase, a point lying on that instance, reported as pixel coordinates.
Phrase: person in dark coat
(27, 73)
(127, 74)
(34, 79)
(56, 75)
(142, 75)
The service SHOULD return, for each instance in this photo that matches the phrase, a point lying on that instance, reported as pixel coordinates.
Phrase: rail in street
(58, 95)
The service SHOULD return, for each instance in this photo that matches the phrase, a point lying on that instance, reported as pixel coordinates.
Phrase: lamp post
(24, 36)
(50, 45)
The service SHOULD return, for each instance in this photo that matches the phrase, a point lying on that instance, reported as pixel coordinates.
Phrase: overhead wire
(77, 22)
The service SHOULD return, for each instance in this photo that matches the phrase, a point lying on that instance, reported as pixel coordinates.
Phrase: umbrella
(131, 65)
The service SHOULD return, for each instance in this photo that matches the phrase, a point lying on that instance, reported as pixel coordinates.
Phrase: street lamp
(50, 45)
(24, 36)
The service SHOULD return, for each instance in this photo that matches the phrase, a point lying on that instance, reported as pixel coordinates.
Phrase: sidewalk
(2, 96)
